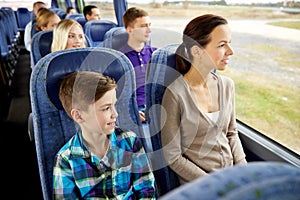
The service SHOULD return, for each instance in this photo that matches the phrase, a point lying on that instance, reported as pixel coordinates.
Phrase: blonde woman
(46, 20)
(68, 34)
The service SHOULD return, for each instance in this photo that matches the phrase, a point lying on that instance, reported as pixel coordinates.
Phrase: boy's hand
(142, 116)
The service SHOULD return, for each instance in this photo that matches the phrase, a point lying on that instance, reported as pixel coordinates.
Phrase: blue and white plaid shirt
(123, 173)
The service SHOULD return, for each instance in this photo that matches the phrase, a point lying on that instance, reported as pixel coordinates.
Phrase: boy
(137, 24)
(101, 160)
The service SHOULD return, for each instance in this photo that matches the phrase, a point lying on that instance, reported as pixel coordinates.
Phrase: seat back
(96, 29)
(81, 20)
(33, 28)
(23, 17)
(41, 45)
(52, 126)
(256, 180)
(73, 16)
(115, 38)
(11, 26)
(160, 73)
(60, 12)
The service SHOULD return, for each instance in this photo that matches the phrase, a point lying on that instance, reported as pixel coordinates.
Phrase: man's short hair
(132, 14)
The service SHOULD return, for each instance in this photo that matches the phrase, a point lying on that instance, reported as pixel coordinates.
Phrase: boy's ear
(76, 115)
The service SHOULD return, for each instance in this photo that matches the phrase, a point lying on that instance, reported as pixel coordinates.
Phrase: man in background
(91, 12)
(27, 33)
(137, 24)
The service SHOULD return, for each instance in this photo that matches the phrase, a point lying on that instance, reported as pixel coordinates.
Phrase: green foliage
(287, 24)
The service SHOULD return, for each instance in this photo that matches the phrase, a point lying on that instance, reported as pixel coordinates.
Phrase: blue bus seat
(23, 17)
(96, 29)
(115, 38)
(11, 31)
(60, 12)
(33, 28)
(81, 20)
(12, 25)
(255, 180)
(8, 51)
(160, 73)
(52, 126)
(73, 16)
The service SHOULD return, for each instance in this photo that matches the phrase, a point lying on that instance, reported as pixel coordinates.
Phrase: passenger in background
(27, 33)
(68, 34)
(46, 20)
(101, 160)
(199, 131)
(71, 10)
(91, 12)
(137, 23)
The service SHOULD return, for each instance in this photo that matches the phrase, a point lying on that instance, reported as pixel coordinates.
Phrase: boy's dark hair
(87, 10)
(132, 14)
(82, 88)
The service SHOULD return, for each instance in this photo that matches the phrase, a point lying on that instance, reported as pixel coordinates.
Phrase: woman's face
(218, 50)
(53, 21)
(75, 37)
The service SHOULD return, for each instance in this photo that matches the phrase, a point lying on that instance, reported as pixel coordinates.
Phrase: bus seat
(52, 126)
(33, 28)
(255, 180)
(81, 20)
(11, 31)
(8, 55)
(115, 38)
(73, 16)
(160, 73)
(60, 12)
(23, 17)
(12, 24)
(96, 29)
(41, 45)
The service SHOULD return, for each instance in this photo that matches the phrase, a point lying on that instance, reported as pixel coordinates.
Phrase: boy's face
(100, 116)
(140, 30)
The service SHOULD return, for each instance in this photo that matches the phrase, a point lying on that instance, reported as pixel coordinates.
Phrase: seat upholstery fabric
(115, 38)
(255, 180)
(96, 29)
(160, 73)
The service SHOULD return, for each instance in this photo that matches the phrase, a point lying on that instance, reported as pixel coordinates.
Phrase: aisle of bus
(20, 161)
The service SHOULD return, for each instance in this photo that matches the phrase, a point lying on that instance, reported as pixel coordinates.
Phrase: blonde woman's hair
(61, 34)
